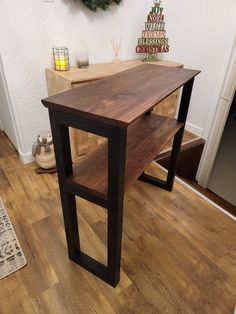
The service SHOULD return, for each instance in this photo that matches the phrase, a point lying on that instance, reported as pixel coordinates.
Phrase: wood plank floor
(179, 252)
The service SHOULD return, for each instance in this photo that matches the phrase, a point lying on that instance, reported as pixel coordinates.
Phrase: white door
(6, 117)
(222, 180)
(213, 141)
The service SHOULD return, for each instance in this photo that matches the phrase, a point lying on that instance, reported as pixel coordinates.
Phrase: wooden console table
(118, 108)
(60, 81)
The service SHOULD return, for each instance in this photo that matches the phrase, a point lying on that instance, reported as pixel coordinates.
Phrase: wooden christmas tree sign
(154, 39)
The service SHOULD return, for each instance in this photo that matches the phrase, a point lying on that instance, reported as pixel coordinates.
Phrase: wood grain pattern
(151, 132)
(97, 71)
(57, 82)
(168, 106)
(179, 252)
(121, 98)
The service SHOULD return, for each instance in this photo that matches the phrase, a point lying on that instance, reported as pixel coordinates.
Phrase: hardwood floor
(213, 197)
(179, 252)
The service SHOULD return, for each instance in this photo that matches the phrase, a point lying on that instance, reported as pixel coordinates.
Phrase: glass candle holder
(83, 58)
(61, 58)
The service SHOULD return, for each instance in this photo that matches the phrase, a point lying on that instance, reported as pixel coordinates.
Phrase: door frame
(221, 114)
(10, 107)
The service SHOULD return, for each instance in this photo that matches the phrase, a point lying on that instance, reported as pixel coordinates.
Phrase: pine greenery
(94, 4)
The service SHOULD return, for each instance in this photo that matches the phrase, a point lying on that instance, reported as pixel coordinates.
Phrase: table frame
(117, 138)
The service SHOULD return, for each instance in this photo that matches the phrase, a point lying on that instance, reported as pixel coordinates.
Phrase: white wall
(199, 32)
(202, 36)
(29, 29)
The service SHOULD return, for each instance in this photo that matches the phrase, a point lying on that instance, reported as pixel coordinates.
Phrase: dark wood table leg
(116, 177)
(182, 116)
(116, 180)
(61, 141)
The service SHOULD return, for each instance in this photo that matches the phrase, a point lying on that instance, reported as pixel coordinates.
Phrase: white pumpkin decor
(43, 151)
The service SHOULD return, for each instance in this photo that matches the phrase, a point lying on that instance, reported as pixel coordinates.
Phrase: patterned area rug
(11, 255)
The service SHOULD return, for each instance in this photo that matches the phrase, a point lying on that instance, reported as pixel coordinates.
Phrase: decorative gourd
(43, 150)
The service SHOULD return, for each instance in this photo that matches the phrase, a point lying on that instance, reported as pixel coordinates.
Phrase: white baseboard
(194, 129)
(26, 158)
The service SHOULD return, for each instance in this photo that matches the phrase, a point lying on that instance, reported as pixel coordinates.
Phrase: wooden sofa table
(118, 108)
(60, 81)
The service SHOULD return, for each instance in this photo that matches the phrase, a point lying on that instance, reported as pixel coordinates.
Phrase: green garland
(94, 4)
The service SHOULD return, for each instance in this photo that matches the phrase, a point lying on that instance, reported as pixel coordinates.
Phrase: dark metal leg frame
(114, 204)
(182, 116)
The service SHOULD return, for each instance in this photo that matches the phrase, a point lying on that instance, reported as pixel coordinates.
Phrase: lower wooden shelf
(145, 139)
